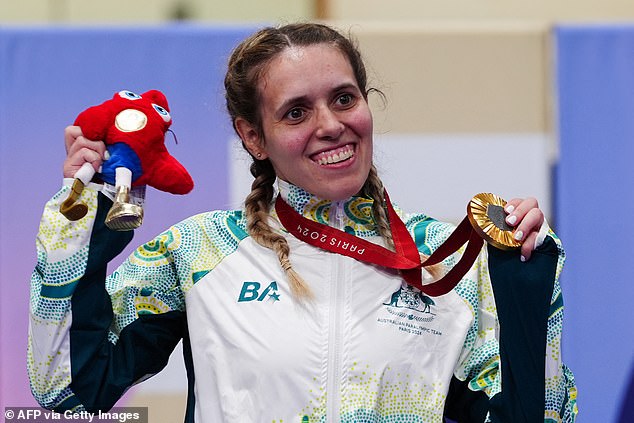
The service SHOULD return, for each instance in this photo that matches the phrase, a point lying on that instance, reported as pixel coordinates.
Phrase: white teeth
(336, 157)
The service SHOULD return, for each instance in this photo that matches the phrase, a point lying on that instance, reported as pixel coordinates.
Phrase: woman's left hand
(525, 216)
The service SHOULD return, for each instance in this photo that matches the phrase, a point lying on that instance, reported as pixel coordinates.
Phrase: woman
(278, 330)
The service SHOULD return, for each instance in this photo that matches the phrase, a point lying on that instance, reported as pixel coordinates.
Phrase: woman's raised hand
(80, 150)
(527, 219)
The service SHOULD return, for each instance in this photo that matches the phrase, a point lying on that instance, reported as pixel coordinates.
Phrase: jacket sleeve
(511, 368)
(92, 336)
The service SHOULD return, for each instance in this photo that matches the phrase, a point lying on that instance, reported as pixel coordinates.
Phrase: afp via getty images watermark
(39, 415)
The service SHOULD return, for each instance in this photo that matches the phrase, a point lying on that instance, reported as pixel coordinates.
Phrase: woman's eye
(295, 114)
(345, 99)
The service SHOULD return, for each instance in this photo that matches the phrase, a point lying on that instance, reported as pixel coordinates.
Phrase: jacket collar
(353, 215)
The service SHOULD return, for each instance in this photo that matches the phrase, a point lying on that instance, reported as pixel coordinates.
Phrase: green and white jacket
(367, 349)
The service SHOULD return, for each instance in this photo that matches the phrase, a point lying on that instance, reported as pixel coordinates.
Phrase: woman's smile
(334, 156)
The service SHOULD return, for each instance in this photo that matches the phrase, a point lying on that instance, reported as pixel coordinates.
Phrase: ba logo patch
(254, 291)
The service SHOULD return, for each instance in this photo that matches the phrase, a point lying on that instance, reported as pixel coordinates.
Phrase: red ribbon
(405, 258)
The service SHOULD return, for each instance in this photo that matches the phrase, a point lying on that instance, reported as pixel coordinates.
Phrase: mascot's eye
(129, 95)
(161, 111)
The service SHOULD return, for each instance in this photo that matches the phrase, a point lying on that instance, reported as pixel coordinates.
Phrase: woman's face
(316, 122)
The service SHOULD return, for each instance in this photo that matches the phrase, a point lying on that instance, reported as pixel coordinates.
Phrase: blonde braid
(257, 205)
(374, 189)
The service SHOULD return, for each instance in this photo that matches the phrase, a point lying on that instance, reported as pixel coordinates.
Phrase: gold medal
(487, 216)
(130, 120)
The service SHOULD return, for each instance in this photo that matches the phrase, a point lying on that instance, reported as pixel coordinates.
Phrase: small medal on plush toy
(133, 128)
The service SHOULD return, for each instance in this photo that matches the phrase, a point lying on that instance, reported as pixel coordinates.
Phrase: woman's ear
(250, 136)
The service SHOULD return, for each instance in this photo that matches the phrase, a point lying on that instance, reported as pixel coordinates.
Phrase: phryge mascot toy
(133, 128)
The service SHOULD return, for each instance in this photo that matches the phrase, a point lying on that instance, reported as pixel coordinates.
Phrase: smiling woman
(316, 123)
(282, 315)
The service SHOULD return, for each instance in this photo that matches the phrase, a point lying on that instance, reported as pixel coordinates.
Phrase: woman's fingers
(80, 150)
(527, 247)
(526, 217)
(78, 158)
(71, 133)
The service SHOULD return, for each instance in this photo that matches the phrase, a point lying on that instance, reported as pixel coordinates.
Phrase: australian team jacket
(366, 348)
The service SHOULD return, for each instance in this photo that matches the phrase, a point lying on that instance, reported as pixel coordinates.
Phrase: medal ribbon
(405, 258)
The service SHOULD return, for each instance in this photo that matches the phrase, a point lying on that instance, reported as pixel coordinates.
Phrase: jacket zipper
(335, 337)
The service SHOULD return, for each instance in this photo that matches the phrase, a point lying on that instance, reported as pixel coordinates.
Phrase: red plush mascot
(133, 127)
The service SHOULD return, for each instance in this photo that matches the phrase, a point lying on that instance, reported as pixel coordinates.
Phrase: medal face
(487, 216)
(130, 120)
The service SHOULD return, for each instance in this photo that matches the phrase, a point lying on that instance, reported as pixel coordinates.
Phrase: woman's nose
(329, 126)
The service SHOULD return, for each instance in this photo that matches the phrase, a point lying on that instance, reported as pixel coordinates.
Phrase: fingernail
(509, 208)
(518, 235)
(100, 169)
(522, 259)
(511, 219)
(106, 156)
